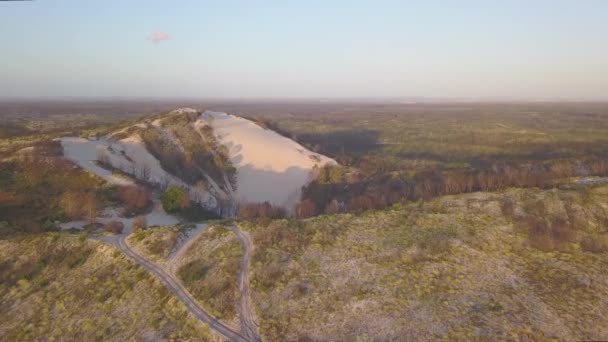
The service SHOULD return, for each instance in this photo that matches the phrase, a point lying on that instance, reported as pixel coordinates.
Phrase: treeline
(265, 210)
(336, 191)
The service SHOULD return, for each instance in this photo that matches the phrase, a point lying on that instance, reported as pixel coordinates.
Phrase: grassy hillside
(209, 271)
(154, 243)
(481, 266)
(62, 287)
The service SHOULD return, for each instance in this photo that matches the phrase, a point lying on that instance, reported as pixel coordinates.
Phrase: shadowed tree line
(338, 190)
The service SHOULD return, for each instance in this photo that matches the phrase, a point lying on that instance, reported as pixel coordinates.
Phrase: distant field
(441, 132)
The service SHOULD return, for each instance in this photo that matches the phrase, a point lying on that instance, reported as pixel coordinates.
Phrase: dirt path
(248, 326)
(180, 248)
(175, 287)
(248, 329)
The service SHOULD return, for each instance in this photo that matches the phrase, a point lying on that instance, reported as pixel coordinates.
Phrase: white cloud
(158, 37)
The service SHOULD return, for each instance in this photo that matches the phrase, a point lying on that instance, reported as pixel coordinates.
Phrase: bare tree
(306, 208)
(102, 158)
(114, 227)
(134, 198)
(139, 223)
(164, 183)
(144, 172)
(71, 203)
(90, 206)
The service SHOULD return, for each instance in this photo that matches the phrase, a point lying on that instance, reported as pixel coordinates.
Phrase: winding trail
(175, 287)
(166, 275)
(248, 326)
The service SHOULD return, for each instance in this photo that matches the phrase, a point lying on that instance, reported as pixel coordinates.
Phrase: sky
(305, 49)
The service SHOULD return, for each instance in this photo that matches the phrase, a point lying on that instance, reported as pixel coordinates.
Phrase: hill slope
(523, 264)
(60, 287)
(270, 167)
(221, 159)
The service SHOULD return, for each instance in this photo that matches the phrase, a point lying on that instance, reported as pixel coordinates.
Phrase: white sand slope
(270, 167)
(125, 154)
(83, 152)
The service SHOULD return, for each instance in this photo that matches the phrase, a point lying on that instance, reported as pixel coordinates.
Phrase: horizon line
(329, 99)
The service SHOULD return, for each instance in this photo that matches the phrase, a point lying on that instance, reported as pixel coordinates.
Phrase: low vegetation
(38, 188)
(155, 243)
(523, 263)
(339, 190)
(210, 269)
(134, 199)
(252, 211)
(63, 287)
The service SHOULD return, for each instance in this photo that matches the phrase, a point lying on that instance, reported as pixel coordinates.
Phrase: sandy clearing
(156, 217)
(270, 167)
(83, 153)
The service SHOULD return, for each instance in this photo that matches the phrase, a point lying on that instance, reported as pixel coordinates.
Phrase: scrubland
(63, 287)
(210, 268)
(444, 221)
(463, 267)
(154, 243)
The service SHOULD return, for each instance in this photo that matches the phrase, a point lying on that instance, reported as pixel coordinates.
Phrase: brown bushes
(250, 211)
(139, 223)
(78, 204)
(507, 207)
(114, 227)
(361, 203)
(547, 237)
(135, 199)
(306, 208)
(103, 158)
(595, 244)
(333, 207)
(381, 190)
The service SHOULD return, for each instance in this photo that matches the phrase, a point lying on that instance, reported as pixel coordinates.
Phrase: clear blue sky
(472, 49)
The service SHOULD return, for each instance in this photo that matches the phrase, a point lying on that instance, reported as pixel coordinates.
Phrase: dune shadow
(350, 141)
(281, 188)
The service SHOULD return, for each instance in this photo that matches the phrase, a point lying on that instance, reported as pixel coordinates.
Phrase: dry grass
(61, 287)
(209, 270)
(154, 243)
(454, 268)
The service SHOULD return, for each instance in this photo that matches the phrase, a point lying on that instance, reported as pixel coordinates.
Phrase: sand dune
(270, 167)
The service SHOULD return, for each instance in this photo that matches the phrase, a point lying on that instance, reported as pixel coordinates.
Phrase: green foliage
(175, 199)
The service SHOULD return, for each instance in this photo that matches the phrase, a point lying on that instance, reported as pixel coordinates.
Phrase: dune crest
(270, 167)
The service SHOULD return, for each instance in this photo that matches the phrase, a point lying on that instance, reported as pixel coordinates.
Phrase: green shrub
(175, 199)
